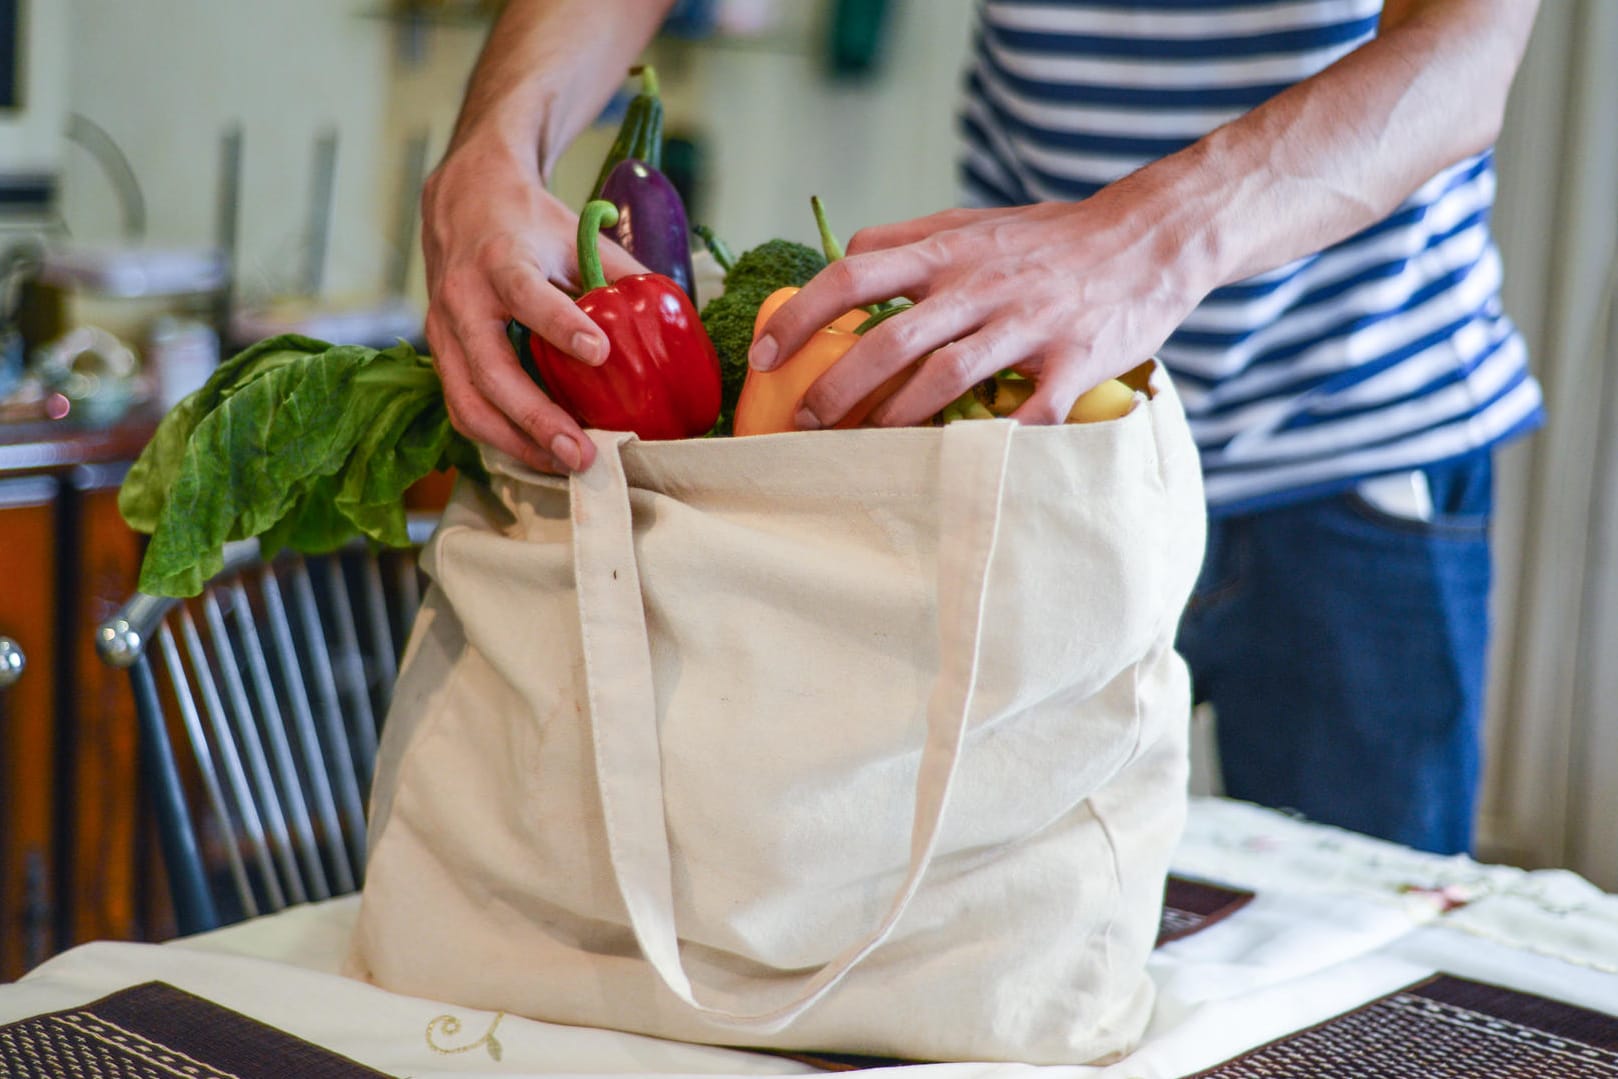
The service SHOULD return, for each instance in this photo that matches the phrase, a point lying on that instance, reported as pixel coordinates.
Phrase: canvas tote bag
(869, 741)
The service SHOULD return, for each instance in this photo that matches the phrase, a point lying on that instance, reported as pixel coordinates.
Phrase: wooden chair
(271, 685)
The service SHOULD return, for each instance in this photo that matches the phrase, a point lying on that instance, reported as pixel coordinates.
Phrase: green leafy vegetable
(298, 442)
(729, 317)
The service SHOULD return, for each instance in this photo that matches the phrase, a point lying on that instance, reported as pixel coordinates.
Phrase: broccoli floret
(776, 263)
(729, 318)
(729, 321)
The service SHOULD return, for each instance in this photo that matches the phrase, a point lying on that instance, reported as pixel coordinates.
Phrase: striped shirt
(1385, 352)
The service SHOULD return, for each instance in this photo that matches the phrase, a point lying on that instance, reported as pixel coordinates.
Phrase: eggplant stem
(648, 79)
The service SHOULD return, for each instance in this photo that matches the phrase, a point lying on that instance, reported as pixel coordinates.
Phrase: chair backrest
(272, 683)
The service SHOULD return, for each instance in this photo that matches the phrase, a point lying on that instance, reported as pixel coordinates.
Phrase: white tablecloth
(1339, 919)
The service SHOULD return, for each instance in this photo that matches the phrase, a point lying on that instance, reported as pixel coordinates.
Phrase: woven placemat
(155, 1031)
(845, 1062)
(1442, 1028)
(1190, 906)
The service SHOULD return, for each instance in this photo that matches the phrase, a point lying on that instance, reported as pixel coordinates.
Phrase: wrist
(1178, 225)
(516, 123)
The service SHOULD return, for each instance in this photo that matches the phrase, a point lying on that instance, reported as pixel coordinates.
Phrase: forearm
(498, 246)
(1339, 151)
(548, 68)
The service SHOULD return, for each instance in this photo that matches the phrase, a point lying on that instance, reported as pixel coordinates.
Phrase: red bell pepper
(661, 376)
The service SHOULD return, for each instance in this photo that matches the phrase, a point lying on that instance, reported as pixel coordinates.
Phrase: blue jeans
(1343, 648)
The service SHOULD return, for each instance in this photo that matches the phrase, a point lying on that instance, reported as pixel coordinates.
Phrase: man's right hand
(498, 246)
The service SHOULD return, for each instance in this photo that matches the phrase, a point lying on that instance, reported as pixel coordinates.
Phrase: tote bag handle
(623, 716)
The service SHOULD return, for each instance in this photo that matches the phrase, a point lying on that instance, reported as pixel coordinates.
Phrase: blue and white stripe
(1387, 351)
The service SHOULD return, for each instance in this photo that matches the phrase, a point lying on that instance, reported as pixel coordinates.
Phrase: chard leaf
(405, 442)
(145, 489)
(248, 463)
(296, 442)
(313, 525)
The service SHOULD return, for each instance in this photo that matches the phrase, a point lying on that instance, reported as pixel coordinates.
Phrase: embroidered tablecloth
(1337, 925)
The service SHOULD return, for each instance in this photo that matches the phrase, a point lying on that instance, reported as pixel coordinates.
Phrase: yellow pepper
(771, 399)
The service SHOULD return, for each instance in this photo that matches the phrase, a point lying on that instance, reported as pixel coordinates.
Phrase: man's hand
(1067, 294)
(1073, 293)
(498, 246)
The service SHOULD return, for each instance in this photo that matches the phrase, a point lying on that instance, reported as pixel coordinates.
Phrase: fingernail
(587, 347)
(762, 354)
(565, 450)
(806, 420)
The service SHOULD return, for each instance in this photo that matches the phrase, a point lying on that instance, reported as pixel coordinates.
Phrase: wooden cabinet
(98, 751)
(74, 864)
(28, 881)
(78, 855)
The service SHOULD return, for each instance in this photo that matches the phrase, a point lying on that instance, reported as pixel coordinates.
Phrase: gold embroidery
(448, 1026)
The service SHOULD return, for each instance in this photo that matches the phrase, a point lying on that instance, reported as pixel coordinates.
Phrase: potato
(1107, 401)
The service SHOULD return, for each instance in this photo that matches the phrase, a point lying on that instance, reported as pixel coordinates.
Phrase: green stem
(716, 247)
(828, 242)
(882, 314)
(834, 250)
(392, 374)
(648, 80)
(596, 213)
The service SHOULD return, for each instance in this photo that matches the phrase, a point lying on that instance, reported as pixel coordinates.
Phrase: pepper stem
(882, 313)
(596, 213)
(828, 241)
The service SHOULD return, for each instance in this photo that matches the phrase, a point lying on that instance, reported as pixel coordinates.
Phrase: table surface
(1338, 920)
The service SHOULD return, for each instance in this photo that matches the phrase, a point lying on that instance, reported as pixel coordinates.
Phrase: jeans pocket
(1222, 564)
(1448, 501)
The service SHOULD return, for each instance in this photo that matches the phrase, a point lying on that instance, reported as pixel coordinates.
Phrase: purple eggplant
(651, 221)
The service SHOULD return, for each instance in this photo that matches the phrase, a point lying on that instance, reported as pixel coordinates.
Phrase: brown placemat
(1190, 906)
(155, 1031)
(844, 1062)
(1442, 1028)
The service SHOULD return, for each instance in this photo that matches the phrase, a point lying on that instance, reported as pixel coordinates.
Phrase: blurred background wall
(770, 125)
(166, 79)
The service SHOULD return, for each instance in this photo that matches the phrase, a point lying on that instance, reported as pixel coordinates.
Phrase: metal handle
(12, 662)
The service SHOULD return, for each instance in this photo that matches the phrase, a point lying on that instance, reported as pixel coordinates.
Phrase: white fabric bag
(867, 741)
